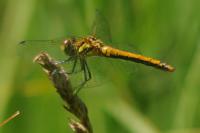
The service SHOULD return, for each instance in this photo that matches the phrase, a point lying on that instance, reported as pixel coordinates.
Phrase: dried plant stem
(10, 118)
(61, 82)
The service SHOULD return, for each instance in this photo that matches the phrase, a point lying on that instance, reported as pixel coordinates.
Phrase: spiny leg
(74, 66)
(75, 59)
(83, 67)
(88, 70)
(78, 88)
(64, 61)
(87, 75)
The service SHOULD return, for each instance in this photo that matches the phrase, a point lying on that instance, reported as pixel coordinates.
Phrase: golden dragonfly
(79, 48)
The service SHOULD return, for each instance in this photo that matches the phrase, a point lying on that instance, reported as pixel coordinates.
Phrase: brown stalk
(61, 82)
(9, 118)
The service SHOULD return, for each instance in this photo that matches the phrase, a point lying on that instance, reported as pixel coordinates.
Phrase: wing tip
(22, 42)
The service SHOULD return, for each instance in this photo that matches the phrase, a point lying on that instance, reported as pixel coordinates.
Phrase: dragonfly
(80, 48)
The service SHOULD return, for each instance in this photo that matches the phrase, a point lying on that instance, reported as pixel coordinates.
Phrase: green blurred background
(141, 101)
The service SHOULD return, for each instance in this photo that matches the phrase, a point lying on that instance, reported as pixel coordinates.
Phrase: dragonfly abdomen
(120, 54)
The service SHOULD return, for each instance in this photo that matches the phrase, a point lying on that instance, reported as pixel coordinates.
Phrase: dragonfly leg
(74, 66)
(79, 88)
(88, 70)
(87, 75)
(64, 61)
(84, 69)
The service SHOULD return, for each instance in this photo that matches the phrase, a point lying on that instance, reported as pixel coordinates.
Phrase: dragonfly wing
(29, 48)
(40, 42)
(130, 47)
(100, 28)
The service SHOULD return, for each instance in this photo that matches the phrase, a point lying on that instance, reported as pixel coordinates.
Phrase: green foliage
(133, 99)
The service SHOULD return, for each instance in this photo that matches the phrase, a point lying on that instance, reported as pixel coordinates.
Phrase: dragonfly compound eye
(68, 47)
(67, 42)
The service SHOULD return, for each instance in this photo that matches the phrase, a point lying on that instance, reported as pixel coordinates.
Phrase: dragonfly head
(68, 47)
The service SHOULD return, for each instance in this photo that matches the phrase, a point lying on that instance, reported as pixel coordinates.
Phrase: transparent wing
(122, 65)
(28, 49)
(112, 68)
(55, 41)
(78, 78)
(100, 28)
(39, 42)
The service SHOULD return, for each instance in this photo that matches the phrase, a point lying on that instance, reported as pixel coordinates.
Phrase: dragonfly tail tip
(170, 68)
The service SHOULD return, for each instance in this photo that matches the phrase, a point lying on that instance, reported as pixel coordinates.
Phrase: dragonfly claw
(60, 62)
(76, 91)
(64, 61)
(55, 71)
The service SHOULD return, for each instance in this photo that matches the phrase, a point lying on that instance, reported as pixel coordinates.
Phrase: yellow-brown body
(90, 46)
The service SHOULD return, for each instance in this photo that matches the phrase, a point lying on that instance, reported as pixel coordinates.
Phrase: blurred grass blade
(187, 108)
(15, 23)
(130, 118)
